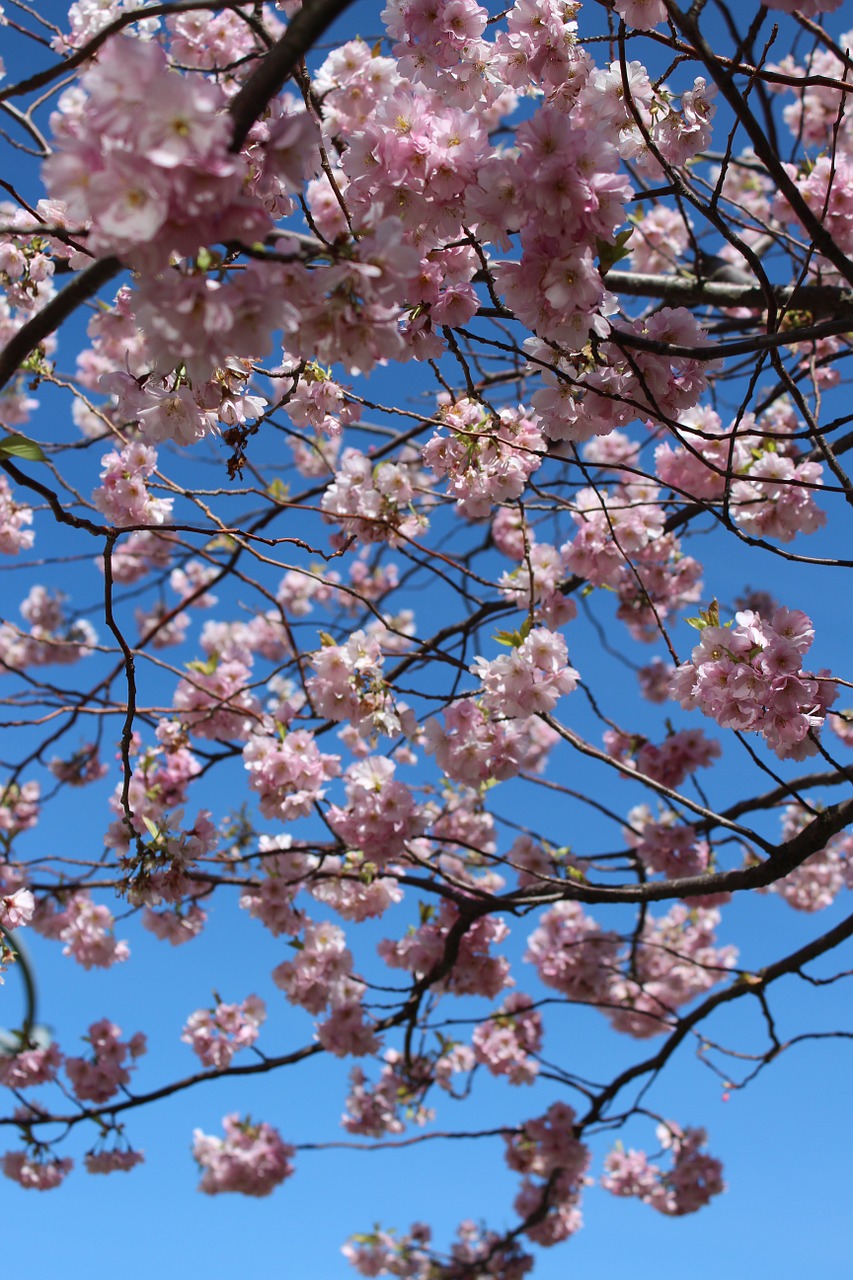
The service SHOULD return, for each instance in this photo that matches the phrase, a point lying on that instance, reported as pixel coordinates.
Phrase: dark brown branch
(784, 859)
(750, 984)
(688, 290)
(47, 321)
(723, 78)
(278, 65)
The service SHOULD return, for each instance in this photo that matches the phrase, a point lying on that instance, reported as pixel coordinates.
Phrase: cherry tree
(385, 422)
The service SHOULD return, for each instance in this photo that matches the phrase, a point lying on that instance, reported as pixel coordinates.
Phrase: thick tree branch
(783, 860)
(687, 290)
(45, 322)
(278, 65)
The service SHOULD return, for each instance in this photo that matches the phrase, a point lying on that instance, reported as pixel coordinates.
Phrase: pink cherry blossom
(98, 1078)
(35, 1173)
(693, 1179)
(215, 1035)
(751, 678)
(505, 1042)
(112, 1161)
(251, 1159)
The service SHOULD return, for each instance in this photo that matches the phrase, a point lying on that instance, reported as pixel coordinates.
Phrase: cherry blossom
(215, 1035)
(751, 678)
(531, 679)
(622, 320)
(29, 1067)
(504, 1043)
(34, 1173)
(250, 1159)
(112, 1161)
(288, 771)
(475, 972)
(693, 1179)
(381, 814)
(86, 929)
(98, 1078)
(14, 517)
(546, 1148)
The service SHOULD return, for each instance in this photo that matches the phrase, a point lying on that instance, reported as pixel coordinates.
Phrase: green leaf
(222, 542)
(20, 447)
(205, 668)
(609, 254)
(205, 259)
(709, 617)
(513, 639)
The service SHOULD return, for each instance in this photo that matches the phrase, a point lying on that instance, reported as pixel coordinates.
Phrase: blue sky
(784, 1142)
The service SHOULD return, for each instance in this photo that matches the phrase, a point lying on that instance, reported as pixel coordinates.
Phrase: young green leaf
(20, 447)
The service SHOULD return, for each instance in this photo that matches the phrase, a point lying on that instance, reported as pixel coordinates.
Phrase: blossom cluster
(675, 958)
(374, 502)
(171, 186)
(288, 771)
(669, 762)
(475, 971)
(381, 815)
(375, 1110)
(754, 467)
(251, 1159)
(666, 846)
(320, 976)
(35, 1171)
(622, 544)
(536, 585)
(486, 461)
(215, 1035)
(750, 677)
(817, 881)
(473, 746)
(581, 398)
(348, 685)
(546, 1148)
(15, 536)
(814, 114)
(86, 929)
(693, 1179)
(214, 700)
(51, 637)
(98, 1078)
(123, 496)
(117, 1160)
(529, 680)
(504, 1044)
(30, 1066)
